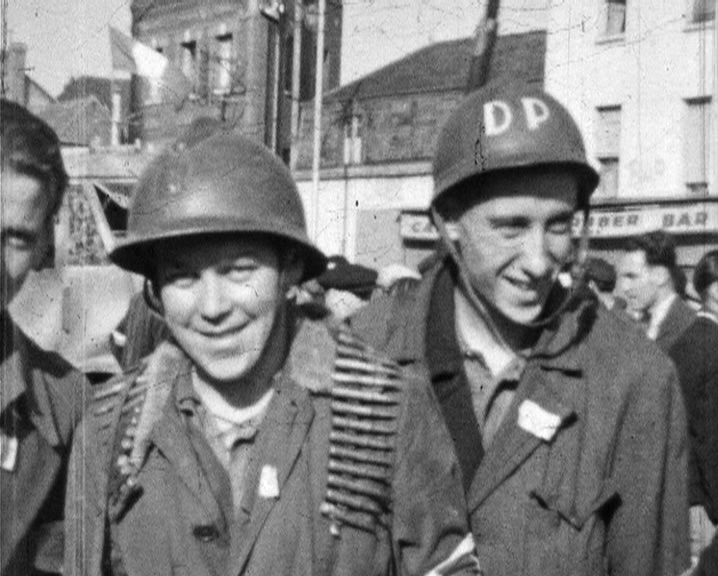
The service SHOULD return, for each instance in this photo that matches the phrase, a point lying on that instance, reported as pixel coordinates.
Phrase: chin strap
(479, 302)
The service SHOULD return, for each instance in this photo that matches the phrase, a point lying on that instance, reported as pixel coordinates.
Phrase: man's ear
(660, 276)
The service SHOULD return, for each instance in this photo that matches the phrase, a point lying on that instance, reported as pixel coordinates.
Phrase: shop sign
(417, 226)
(679, 219)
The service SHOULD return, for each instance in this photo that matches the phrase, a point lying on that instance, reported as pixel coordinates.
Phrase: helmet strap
(151, 298)
(475, 298)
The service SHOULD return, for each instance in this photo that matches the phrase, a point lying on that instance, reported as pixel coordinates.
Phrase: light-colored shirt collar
(476, 338)
(658, 315)
(703, 313)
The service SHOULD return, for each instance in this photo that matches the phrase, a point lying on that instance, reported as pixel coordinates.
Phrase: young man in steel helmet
(569, 428)
(255, 440)
(41, 395)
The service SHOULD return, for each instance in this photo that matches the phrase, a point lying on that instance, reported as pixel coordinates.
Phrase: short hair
(658, 246)
(706, 272)
(602, 273)
(29, 146)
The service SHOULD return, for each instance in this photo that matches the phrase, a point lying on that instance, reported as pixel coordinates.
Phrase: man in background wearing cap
(601, 279)
(569, 429)
(347, 287)
(41, 395)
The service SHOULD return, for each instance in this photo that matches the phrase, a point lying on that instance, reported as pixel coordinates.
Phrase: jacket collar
(23, 387)
(554, 350)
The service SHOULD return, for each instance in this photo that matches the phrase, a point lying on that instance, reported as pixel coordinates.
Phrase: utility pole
(318, 94)
(275, 12)
(5, 43)
(296, 79)
(483, 48)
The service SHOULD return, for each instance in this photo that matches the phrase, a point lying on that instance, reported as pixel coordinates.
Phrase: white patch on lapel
(8, 452)
(268, 482)
(537, 420)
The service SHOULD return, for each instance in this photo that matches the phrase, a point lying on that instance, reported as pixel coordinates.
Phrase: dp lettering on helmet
(498, 115)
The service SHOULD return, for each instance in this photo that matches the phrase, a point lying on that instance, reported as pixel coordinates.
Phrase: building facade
(16, 84)
(237, 55)
(640, 78)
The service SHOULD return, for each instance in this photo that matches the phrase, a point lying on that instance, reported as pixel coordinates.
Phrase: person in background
(600, 277)
(395, 278)
(569, 428)
(254, 440)
(347, 287)
(695, 355)
(41, 395)
(647, 280)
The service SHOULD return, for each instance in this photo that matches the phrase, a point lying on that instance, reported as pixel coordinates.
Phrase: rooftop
(445, 66)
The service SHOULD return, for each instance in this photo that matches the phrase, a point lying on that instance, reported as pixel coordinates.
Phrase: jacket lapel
(513, 442)
(37, 460)
(279, 442)
(172, 440)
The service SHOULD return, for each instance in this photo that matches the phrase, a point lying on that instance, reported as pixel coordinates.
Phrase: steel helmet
(509, 126)
(224, 183)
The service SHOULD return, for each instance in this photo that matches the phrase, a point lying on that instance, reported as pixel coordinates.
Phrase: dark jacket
(179, 520)
(43, 399)
(695, 355)
(679, 317)
(606, 492)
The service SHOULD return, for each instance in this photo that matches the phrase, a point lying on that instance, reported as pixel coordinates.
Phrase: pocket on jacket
(559, 539)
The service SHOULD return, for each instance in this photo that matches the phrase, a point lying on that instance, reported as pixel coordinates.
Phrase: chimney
(14, 72)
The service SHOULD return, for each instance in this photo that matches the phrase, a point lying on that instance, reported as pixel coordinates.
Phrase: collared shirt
(703, 313)
(231, 442)
(658, 315)
(493, 383)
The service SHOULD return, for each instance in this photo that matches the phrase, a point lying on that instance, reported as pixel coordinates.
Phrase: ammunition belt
(122, 485)
(365, 405)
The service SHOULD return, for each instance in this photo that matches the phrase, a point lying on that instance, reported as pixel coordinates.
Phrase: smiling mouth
(524, 286)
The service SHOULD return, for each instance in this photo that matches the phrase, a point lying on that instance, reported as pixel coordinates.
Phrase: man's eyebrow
(509, 219)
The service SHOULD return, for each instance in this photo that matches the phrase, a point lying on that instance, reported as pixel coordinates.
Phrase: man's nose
(213, 302)
(537, 261)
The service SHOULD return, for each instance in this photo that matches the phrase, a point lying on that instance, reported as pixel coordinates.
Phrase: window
(352, 140)
(615, 17)
(697, 145)
(702, 11)
(223, 65)
(608, 143)
(153, 94)
(188, 60)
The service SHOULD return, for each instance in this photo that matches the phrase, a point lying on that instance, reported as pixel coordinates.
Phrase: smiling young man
(568, 423)
(255, 440)
(41, 396)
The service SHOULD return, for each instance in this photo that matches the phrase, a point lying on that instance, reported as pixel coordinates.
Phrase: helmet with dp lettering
(508, 127)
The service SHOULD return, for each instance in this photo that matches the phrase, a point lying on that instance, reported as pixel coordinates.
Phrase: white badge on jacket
(8, 452)
(537, 420)
(268, 482)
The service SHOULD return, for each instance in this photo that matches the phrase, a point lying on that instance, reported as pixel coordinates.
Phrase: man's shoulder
(47, 362)
(393, 322)
(699, 337)
(616, 349)
(68, 388)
